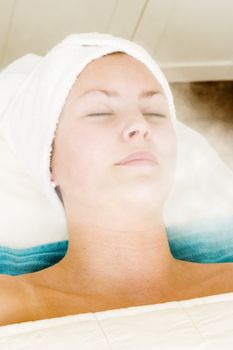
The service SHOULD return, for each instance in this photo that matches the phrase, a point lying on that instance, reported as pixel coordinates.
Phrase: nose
(137, 127)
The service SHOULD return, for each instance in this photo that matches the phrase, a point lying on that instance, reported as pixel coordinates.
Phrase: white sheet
(199, 324)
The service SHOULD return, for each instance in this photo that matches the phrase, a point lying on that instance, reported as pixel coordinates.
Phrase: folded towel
(190, 242)
(29, 112)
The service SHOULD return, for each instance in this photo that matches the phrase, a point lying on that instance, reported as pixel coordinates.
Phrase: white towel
(31, 212)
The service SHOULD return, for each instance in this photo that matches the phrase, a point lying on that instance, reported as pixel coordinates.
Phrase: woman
(118, 254)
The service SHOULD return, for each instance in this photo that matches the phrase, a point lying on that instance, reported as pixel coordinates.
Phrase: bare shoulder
(13, 300)
(205, 279)
(221, 269)
(219, 278)
(9, 286)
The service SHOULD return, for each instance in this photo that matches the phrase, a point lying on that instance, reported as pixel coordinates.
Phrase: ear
(51, 174)
(58, 191)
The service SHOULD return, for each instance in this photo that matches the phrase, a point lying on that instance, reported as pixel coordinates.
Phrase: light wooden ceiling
(192, 40)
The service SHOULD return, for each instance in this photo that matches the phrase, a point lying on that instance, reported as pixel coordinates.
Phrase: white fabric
(196, 324)
(31, 101)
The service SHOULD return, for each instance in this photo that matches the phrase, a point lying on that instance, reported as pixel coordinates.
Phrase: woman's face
(97, 130)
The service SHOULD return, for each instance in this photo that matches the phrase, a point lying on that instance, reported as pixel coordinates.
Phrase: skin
(118, 253)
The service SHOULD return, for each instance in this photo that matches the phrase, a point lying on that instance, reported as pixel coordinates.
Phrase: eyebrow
(113, 93)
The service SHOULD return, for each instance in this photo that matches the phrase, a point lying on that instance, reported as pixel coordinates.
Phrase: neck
(112, 262)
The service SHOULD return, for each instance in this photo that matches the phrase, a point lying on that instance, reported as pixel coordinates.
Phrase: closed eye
(154, 114)
(93, 114)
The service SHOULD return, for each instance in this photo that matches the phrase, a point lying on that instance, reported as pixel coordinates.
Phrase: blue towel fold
(203, 241)
(20, 261)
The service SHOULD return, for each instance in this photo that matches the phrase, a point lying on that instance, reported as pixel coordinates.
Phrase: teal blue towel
(203, 241)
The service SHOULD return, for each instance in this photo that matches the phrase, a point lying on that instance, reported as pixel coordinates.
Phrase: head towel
(29, 124)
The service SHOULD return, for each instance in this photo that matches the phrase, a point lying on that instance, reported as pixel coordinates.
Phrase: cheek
(81, 155)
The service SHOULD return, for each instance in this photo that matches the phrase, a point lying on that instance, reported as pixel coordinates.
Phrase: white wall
(192, 40)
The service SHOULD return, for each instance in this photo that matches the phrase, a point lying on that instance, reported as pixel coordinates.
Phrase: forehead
(117, 67)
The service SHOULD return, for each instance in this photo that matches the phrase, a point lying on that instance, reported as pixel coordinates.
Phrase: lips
(139, 156)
